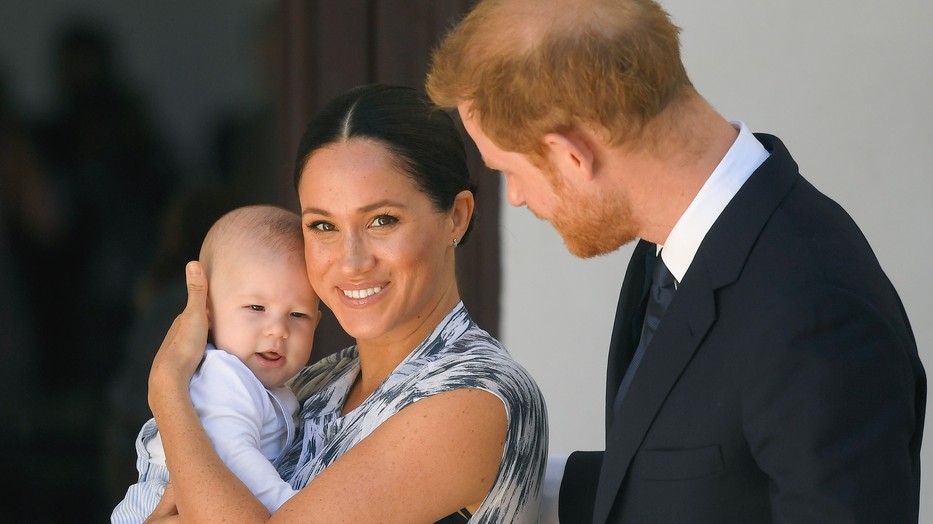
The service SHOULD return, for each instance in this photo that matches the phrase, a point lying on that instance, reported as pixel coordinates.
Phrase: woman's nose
(356, 256)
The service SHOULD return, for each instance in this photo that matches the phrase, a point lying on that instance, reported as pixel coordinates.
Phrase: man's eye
(257, 307)
(384, 220)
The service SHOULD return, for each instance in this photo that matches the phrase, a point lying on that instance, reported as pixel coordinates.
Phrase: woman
(427, 418)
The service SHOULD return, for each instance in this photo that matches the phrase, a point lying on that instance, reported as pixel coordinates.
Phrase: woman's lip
(363, 292)
(362, 295)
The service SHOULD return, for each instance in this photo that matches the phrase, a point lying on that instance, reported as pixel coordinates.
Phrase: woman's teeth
(361, 293)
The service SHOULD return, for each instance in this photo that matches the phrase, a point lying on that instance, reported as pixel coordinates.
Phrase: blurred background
(126, 129)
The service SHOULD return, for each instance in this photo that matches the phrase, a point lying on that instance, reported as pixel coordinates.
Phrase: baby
(263, 314)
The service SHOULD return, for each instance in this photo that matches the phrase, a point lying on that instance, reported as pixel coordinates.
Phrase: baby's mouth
(270, 356)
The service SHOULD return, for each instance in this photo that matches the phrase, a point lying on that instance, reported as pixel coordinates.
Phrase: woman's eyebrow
(365, 209)
(314, 211)
(382, 203)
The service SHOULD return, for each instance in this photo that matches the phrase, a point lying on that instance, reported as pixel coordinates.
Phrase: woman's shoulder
(475, 359)
(475, 345)
(459, 339)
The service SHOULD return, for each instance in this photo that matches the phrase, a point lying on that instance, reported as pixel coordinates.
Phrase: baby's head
(261, 306)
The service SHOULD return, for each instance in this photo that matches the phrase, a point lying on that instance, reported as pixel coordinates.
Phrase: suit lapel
(624, 339)
(691, 314)
(688, 318)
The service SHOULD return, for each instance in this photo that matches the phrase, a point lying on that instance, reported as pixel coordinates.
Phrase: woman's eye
(384, 220)
(321, 225)
(257, 307)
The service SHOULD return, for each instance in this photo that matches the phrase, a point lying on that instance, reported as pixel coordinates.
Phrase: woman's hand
(183, 347)
(165, 511)
(204, 489)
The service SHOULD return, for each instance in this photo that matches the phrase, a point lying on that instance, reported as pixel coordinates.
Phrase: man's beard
(592, 226)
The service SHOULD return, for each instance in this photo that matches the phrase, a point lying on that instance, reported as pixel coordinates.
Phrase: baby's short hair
(263, 227)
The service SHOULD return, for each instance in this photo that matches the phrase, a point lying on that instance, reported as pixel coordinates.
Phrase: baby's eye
(257, 307)
(384, 220)
(321, 225)
(298, 314)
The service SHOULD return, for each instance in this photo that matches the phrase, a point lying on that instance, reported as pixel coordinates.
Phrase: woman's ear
(460, 214)
(572, 155)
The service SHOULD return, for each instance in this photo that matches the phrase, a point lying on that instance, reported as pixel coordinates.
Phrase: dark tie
(659, 296)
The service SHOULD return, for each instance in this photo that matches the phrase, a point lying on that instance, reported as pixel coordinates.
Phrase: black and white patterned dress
(457, 355)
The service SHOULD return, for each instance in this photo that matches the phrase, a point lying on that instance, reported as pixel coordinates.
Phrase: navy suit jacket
(782, 385)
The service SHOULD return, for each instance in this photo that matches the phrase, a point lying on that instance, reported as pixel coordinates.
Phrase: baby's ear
(209, 308)
(210, 324)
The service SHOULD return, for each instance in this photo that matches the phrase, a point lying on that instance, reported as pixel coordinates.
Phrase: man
(761, 366)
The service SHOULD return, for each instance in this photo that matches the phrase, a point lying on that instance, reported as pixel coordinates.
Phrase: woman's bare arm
(427, 461)
(204, 487)
(430, 459)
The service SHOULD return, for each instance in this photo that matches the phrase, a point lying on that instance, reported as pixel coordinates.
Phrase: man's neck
(664, 181)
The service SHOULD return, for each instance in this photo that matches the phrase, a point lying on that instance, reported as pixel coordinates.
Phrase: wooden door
(330, 46)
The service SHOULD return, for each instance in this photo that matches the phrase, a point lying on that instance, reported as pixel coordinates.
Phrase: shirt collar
(742, 159)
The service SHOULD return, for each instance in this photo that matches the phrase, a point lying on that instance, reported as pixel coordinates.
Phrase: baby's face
(264, 312)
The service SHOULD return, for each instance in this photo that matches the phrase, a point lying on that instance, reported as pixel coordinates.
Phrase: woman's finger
(188, 335)
(183, 346)
(165, 508)
(197, 288)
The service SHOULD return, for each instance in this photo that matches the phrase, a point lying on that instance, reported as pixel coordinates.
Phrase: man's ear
(571, 154)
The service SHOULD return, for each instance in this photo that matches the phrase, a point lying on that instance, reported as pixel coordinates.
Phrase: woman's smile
(362, 293)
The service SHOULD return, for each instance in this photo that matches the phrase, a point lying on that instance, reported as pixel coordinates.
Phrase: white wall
(846, 85)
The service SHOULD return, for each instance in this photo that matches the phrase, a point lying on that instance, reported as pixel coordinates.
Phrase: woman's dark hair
(422, 139)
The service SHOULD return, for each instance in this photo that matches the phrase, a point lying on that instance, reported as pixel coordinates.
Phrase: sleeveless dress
(457, 355)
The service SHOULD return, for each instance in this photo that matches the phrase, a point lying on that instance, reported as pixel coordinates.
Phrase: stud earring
(455, 243)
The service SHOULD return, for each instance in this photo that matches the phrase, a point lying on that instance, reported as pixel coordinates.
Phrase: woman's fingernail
(194, 269)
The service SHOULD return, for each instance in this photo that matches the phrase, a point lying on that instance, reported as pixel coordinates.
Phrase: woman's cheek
(316, 262)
